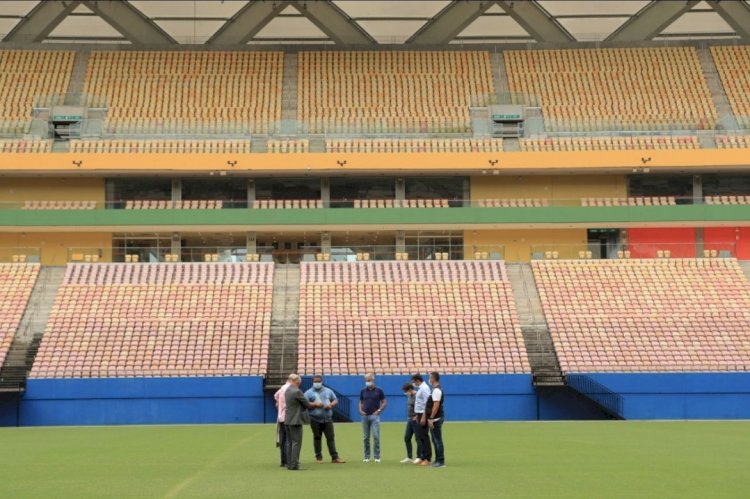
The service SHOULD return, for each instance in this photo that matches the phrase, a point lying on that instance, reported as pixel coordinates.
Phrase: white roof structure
(362, 23)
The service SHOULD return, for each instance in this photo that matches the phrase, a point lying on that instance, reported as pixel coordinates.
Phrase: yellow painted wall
(54, 246)
(558, 187)
(518, 243)
(51, 189)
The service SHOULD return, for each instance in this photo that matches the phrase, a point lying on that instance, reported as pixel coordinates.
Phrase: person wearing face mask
(411, 424)
(321, 419)
(421, 431)
(372, 403)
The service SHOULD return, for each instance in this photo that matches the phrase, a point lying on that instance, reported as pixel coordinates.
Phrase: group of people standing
(425, 416)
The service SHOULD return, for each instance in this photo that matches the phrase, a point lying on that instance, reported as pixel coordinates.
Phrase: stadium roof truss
(360, 23)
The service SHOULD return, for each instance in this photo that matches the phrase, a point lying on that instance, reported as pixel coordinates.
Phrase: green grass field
(485, 460)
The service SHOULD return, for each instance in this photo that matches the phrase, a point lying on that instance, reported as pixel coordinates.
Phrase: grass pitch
(485, 460)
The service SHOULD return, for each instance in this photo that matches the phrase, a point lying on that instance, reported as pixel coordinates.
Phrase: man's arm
(383, 404)
(361, 408)
(333, 401)
(303, 400)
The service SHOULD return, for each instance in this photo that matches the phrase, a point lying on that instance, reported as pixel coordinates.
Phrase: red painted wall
(736, 239)
(644, 243)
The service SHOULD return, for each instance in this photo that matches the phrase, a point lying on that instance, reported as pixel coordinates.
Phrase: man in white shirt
(424, 450)
(435, 417)
(281, 441)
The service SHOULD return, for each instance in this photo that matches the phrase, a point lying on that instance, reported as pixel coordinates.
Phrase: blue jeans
(437, 441)
(409, 433)
(371, 424)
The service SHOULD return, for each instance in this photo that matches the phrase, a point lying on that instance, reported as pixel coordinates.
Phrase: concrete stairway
(545, 366)
(746, 268)
(78, 74)
(42, 298)
(719, 96)
(289, 96)
(282, 353)
(18, 362)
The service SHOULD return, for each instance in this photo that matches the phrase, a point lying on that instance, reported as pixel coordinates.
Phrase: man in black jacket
(296, 416)
(435, 416)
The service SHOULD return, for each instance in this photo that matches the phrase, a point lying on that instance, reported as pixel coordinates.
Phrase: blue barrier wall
(681, 395)
(468, 397)
(114, 401)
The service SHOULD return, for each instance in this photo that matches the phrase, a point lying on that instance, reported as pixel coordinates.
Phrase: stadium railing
(610, 401)
(598, 250)
(20, 254)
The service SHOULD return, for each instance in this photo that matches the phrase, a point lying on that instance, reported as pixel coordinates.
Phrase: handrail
(606, 398)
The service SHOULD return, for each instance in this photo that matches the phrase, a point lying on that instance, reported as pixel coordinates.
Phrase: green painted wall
(401, 216)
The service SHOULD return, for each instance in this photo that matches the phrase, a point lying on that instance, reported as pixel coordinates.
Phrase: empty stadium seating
(414, 145)
(733, 65)
(727, 199)
(158, 320)
(25, 145)
(614, 88)
(647, 315)
(405, 317)
(16, 284)
(288, 146)
(152, 91)
(58, 205)
(26, 75)
(733, 141)
(239, 146)
(270, 204)
(401, 203)
(185, 204)
(631, 201)
(513, 203)
(394, 92)
(608, 143)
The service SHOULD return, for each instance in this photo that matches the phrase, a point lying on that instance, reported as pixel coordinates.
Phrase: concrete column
(697, 189)
(250, 193)
(466, 192)
(251, 243)
(176, 246)
(325, 192)
(325, 242)
(400, 189)
(400, 241)
(699, 242)
(176, 189)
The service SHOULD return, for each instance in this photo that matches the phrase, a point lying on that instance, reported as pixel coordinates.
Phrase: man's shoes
(296, 469)
(338, 461)
(425, 462)
(366, 460)
(417, 460)
(405, 460)
(319, 460)
(438, 465)
(283, 465)
(377, 459)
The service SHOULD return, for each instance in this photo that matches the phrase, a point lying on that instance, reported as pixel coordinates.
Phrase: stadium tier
(16, 284)
(125, 146)
(632, 201)
(404, 317)
(288, 146)
(614, 88)
(608, 143)
(391, 91)
(205, 91)
(25, 145)
(158, 320)
(733, 141)
(407, 145)
(647, 315)
(26, 75)
(727, 200)
(733, 64)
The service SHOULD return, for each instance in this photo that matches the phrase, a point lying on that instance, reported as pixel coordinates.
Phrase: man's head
(369, 380)
(417, 379)
(294, 380)
(317, 382)
(434, 378)
(408, 389)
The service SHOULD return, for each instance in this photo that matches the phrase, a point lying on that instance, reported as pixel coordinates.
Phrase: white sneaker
(405, 460)
(417, 461)
(377, 460)
(365, 460)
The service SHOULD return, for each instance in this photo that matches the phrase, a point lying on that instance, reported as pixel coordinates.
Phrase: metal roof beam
(131, 22)
(536, 21)
(247, 22)
(651, 20)
(334, 22)
(736, 14)
(41, 21)
(449, 22)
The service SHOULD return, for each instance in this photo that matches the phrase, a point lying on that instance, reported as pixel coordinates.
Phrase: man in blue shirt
(372, 403)
(321, 419)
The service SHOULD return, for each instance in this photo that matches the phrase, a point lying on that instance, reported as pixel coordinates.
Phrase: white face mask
(368, 384)
(317, 386)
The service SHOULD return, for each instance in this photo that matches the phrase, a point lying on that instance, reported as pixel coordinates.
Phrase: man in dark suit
(296, 416)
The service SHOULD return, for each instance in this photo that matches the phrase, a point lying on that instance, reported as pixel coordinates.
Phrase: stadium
(547, 202)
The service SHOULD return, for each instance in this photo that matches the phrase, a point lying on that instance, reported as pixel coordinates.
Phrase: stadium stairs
(718, 95)
(746, 268)
(577, 393)
(26, 343)
(282, 352)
